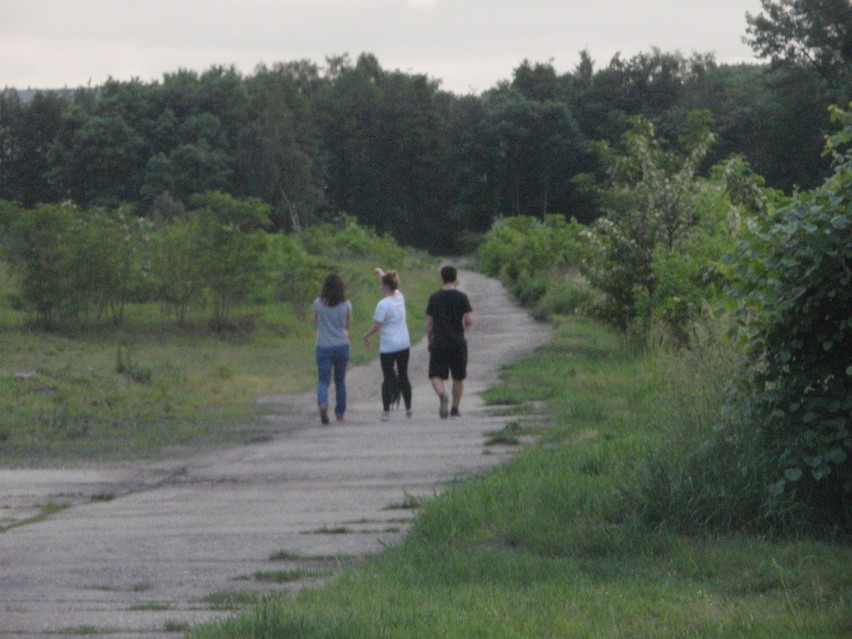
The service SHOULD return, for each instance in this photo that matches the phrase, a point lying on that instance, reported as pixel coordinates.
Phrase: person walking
(332, 319)
(394, 343)
(448, 315)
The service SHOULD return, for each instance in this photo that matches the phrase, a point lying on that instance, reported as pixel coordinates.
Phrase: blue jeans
(336, 358)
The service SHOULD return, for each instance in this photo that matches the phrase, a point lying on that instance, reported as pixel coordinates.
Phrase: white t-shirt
(390, 313)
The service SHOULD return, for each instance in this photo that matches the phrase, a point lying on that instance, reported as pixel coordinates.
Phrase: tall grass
(560, 541)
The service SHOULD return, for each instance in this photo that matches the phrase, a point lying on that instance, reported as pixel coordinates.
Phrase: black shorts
(446, 361)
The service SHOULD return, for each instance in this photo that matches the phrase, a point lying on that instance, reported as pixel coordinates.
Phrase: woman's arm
(375, 328)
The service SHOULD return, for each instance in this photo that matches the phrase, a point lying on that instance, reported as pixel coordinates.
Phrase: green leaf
(836, 456)
(840, 221)
(814, 461)
(793, 474)
(777, 489)
(821, 472)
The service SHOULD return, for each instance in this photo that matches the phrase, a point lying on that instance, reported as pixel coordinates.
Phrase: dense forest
(392, 149)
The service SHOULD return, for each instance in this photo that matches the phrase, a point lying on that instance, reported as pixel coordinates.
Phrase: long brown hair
(333, 290)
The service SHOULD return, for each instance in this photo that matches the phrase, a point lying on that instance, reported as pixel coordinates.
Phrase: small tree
(232, 246)
(295, 275)
(106, 260)
(176, 265)
(39, 249)
(648, 206)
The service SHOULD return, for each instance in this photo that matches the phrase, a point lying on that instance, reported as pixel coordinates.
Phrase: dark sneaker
(442, 411)
(454, 412)
(324, 414)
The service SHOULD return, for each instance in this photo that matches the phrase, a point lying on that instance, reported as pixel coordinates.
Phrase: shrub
(569, 293)
(345, 238)
(39, 249)
(686, 283)
(177, 266)
(650, 204)
(233, 246)
(529, 255)
(791, 277)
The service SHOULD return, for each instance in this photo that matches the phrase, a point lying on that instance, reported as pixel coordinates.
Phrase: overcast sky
(469, 45)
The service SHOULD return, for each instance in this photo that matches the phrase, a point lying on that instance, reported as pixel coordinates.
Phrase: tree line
(392, 149)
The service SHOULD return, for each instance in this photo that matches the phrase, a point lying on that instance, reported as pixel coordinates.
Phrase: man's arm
(430, 324)
(467, 320)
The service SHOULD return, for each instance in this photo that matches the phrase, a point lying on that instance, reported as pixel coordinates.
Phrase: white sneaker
(386, 416)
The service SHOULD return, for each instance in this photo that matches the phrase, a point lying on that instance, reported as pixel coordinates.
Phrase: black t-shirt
(447, 308)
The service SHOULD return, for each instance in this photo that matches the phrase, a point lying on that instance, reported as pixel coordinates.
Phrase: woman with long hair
(394, 344)
(332, 319)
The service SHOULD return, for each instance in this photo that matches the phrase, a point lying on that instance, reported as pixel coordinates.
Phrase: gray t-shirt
(331, 323)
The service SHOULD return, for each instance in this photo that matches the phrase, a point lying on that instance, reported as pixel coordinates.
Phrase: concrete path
(150, 550)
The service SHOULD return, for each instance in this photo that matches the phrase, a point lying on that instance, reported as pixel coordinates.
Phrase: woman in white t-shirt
(394, 344)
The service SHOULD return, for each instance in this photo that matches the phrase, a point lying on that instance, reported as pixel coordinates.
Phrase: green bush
(108, 259)
(176, 265)
(232, 248)
(345, 238)
(687, 282)
(530, 257)
(39, 249)
(293, 274)
(569, 293)
(792, 278)
(651, 203)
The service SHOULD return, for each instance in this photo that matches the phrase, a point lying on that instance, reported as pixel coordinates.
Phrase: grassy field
(554, 544)
(150, 389)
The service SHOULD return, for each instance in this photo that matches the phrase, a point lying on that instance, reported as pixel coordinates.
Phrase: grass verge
(555, 544)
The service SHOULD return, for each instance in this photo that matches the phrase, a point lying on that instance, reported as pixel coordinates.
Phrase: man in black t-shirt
(448, 316)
